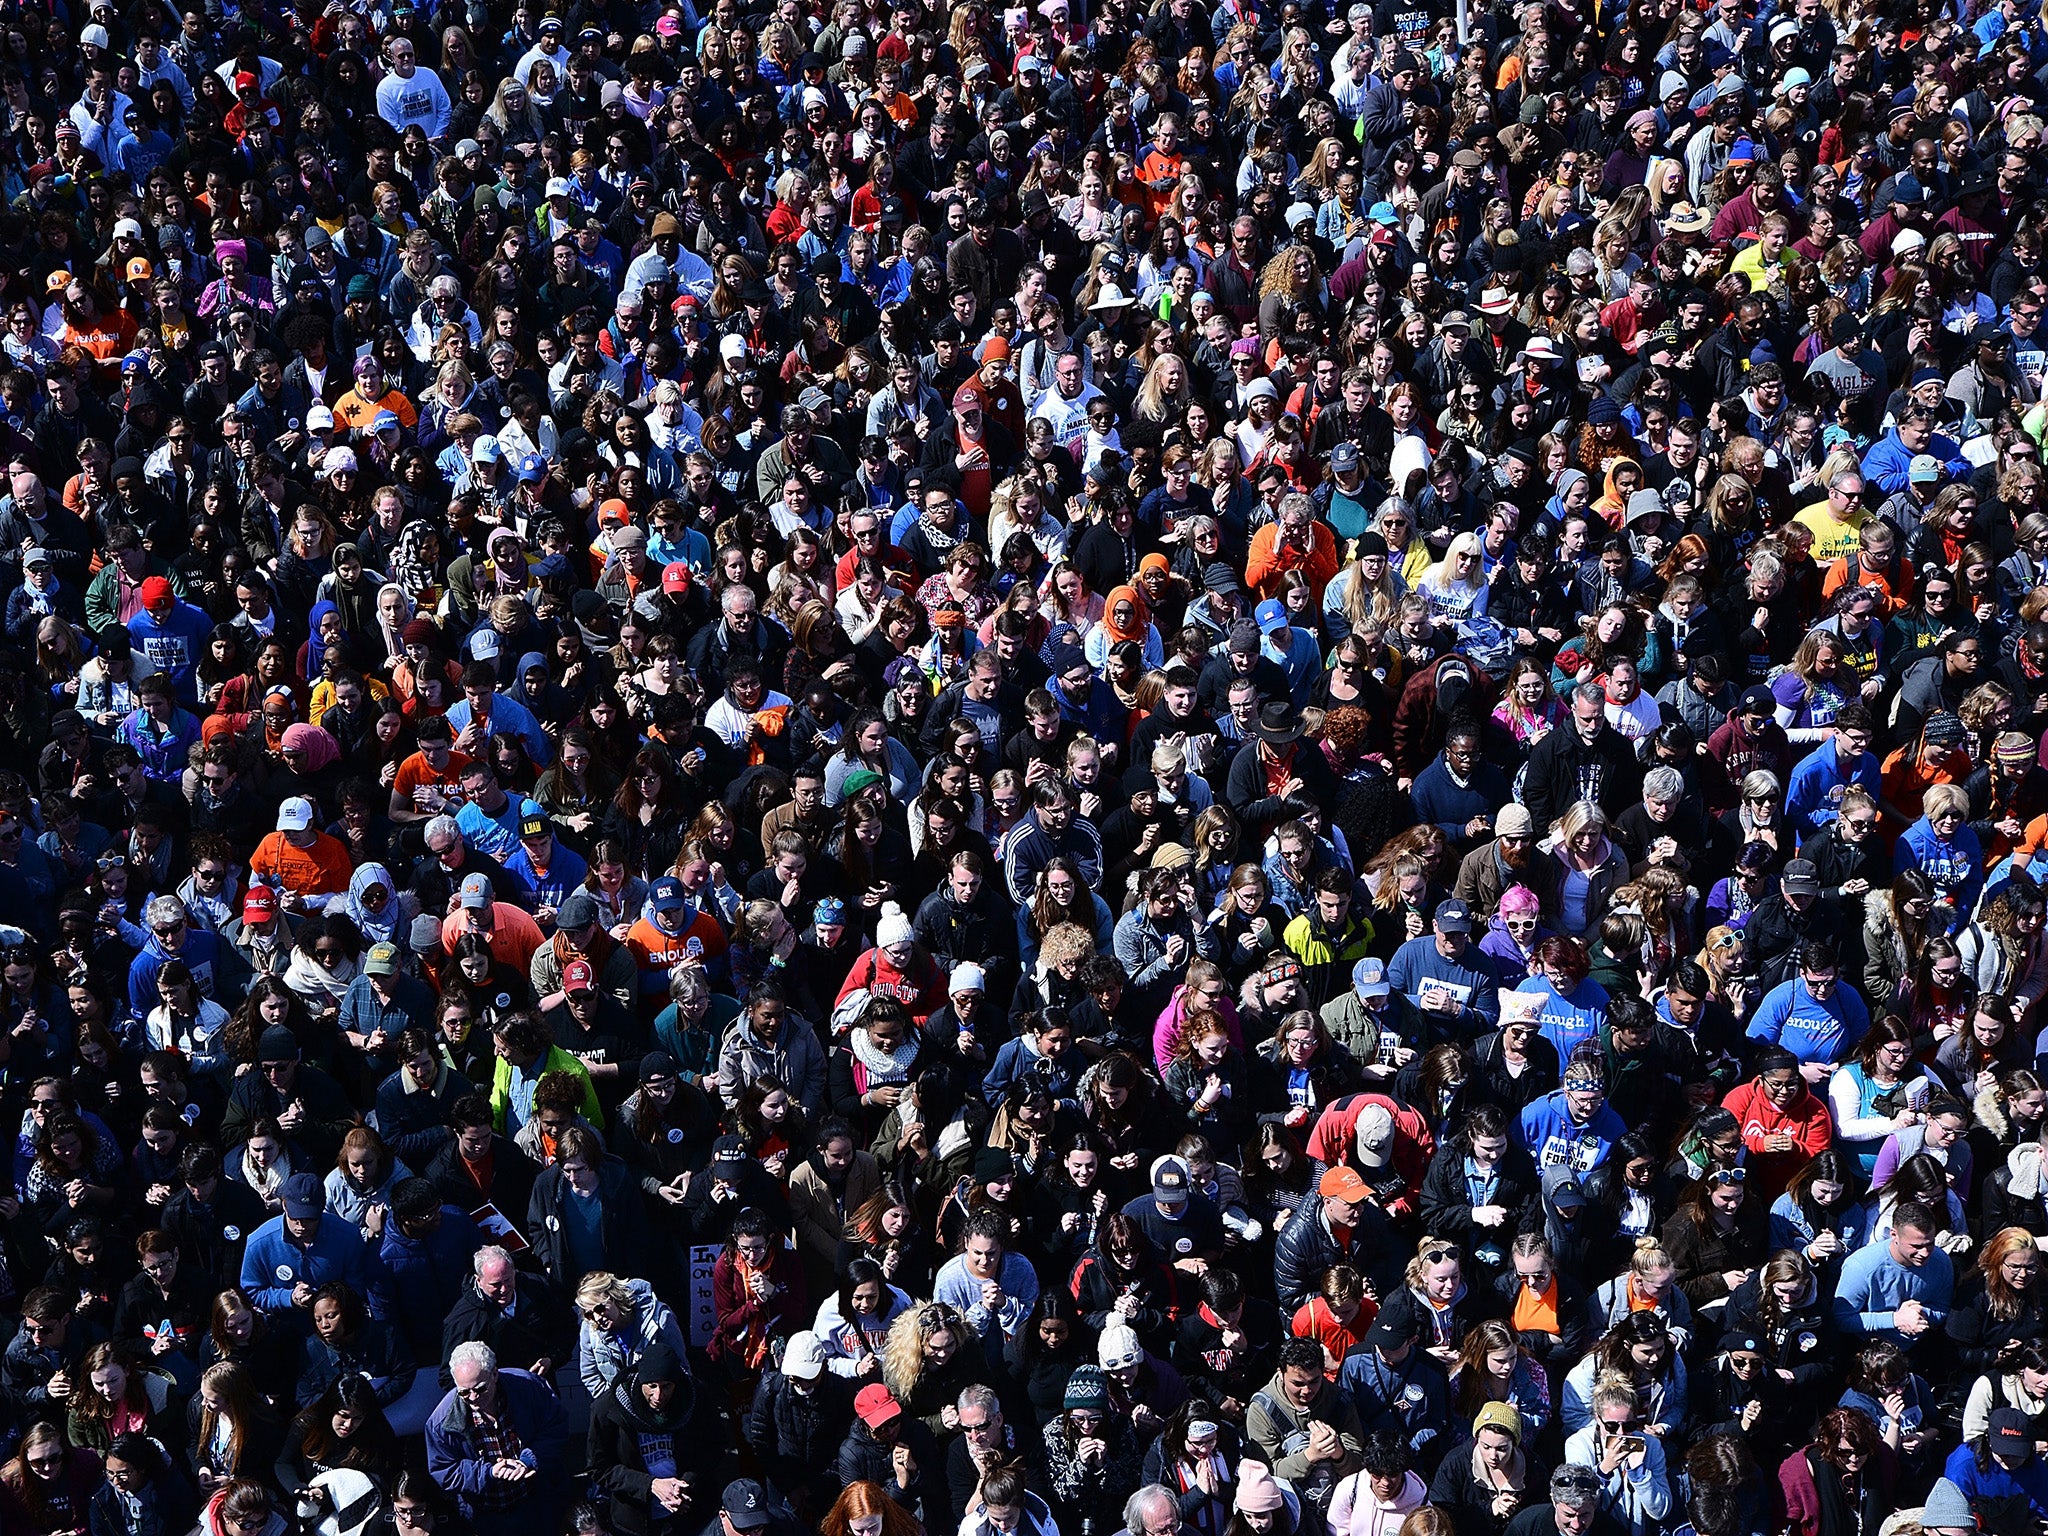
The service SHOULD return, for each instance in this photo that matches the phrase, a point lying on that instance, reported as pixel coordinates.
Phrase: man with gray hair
(219, 971)
(497, 1443)
(985, 1443)
(1667, 829)
(521, 1317)
(1152, 1511)
(1573, 1510)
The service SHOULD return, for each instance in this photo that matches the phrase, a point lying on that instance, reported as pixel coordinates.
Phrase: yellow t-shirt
(1832, 537)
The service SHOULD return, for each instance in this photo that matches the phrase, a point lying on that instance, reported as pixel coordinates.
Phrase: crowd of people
(1265, 770)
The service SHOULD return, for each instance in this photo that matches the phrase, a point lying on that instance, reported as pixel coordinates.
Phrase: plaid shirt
(491, 1440)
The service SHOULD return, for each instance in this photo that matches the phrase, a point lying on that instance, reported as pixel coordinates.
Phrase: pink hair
(1519, 898)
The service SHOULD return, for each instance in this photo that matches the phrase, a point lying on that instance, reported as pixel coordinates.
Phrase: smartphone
(1633, 1444)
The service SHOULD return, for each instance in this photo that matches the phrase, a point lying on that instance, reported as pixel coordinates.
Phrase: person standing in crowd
(707, 703)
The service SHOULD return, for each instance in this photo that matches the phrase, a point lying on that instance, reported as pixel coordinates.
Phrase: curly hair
(903, 1357)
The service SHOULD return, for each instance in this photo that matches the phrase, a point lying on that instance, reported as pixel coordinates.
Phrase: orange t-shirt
(416, 773)
(321, 870)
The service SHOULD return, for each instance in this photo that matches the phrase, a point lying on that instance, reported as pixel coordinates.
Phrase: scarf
(42, 603)
(1836, 1514)
(316, 648)
(409, 563)
(754, 1346)
(873, 1067)
(393, 640)
(377, 927)
(321, 749)
(1140, 621)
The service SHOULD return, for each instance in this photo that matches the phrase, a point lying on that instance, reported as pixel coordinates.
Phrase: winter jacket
(455, 1461)
(623, 1229)
(630, 1446)
(795, 1059)
(797, 1434)
(416, 1281)
(604, 1359)
(1307, 1247)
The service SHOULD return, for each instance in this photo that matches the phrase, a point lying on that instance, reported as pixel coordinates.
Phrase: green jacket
(103, 593)
(557, 1060)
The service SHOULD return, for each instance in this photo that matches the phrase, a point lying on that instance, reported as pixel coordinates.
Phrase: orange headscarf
(1141, 622)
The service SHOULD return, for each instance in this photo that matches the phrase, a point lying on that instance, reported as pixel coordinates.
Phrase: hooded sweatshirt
(1355, 1510)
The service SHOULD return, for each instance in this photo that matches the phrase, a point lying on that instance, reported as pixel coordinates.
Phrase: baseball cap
(382, 960)
(1453, 916)
(803, 1357)
(532, 468)
(304, 1198)
(667, 895)
(876, 1405)
(260, 905)
(745, 1505)
(1374, 1136)
(729, 1152)
(2010, 1434)
(1924, 469)
(1342, 1183)
(1802, 878)
(1170, 1182)
(578, 977)
(1369, 978)
(476, 891)
(1271, 616)
(295, 814)
(1757, 699)
(1344, 457)
(533, 824)
(675, 577)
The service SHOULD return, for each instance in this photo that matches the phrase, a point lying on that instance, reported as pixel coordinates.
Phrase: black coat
(539, 1326)
(796, 1434)
(620, 1427)
(623, 1229)
(1561, 762)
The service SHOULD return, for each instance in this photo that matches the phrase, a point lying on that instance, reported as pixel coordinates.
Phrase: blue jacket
(272, 1263)
(1547, 1134)
(1817, 785)
(537, 1418)
(1956, 867)
(2002, 1498)
(1888, 460)
(1811, 1028)
(416, 1280)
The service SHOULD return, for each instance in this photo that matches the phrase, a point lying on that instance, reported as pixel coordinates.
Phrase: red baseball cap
(876, 1405)
(156, 591)
(675, 578)
(578, 977)
(260, 905)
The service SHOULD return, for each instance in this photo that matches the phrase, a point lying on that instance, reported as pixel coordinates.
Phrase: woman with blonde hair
(1591, 868)
(1942, 847)
(1366, 591)
(930, 1356)
(1455, 587)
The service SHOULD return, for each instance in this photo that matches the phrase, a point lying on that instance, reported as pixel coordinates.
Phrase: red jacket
(1805, 1119)
(1334, 1142)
